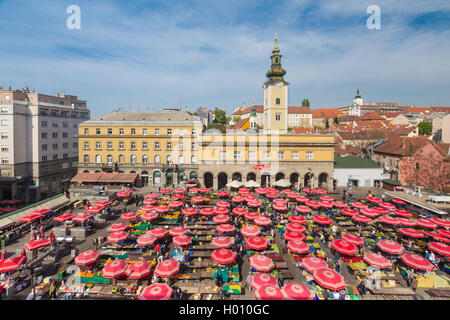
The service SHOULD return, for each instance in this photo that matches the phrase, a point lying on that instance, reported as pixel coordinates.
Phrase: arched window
(121, 158)
(133, 158)
(86, 158)
(193, 159)
(144, 158)
(98, 159)
(157, 159)
(109, 159)
(169, 159)
(277, 101)
(181, 159)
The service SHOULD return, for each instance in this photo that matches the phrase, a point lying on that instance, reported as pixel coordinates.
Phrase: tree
(305, 103)
(425, 128)
(220, 116)
(336, 120)
(236, 119)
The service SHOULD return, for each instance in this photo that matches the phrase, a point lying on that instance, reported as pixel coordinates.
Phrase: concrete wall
(365, 177)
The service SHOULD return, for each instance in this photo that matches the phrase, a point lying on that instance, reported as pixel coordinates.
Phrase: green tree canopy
(220, 116)
(425, 128)
(305, 103)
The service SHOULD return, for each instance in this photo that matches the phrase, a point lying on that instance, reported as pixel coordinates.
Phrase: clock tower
(275, 95)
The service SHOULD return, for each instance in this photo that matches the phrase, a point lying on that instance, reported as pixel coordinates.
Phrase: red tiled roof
(440, 109)
(245, 110)
(326, 113)
(240, 123)
(401, 146)
(372, 116)
(417, 110)
(299, 110)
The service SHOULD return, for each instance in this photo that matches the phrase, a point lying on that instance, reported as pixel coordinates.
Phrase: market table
(200, 254)
(286, 274)
(203, 247)
(281, 265)
(394, 291)
(189, 289)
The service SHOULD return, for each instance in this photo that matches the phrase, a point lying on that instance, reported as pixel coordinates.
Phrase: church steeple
(275, 72)
(358, 96)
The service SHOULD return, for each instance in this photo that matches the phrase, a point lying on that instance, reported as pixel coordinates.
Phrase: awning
(86, 177)
(169, 174)
(118, 177)
(416, 203)
(193, 174)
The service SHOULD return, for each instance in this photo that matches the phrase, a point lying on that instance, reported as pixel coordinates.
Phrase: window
(280, 155)
(181, 159)
(4, 135)
(4, 148)
(133, 158)
(65, 155)
(295, 155)
(86, 145)
(97, 145)
(55, 156)
(44, 124)
(55, 146)
(121, 131)
(144, 132)
(169, 145)
(54, 134)
(85, 158)
(121, 158)
(157, 159)
(44, 158)
(193, 132)
(144, 158)
(156, 132)
(222, 155)
(109, 145)
(44, 135)
(144, 145)
(4, 123)
(121, 145)
(169, 159)
(109, 159)
(193, 146)
(44, 147)
(86, 131)
(5, 160)
(277, 116)
(65, 134)
(252, 155)
(180, 146)
(156, 145)
(65, 145)
(237, 155)
(109, 131)
(266, 155)
(416, 166)
(309, 155)
(65, 124)
(75, 145)
(181, 132)
(133, 145)
(277, 101)
(97, 131)
(4, 110)
(133, 131)
(169, 132)
(75, 125)
(98, 158)
(193, 159)
(55, 124)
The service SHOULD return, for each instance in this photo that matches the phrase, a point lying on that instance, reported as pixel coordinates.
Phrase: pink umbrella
(251, 215)
(321, 219)
(402, 213)
(295, 291)
(207, 211)
(179, 190)
(181, 240)
(115, 269)
(198, 199)
(380, 210)
(148, 208)
(358, 205)
(221, 218)
(193, 190)
(124, 193)
(297, 219)
(344, 247)
(377, 260)
(407, 222)
(443, 233)
(225, 228)
(223, 256)
(441, 222)
(320, 191)
(30, 218)
(189, 211)
(301, 199)
(312, 263)
(149, 201)
(117, 236)
(204, 190)
(389, 220)
(328, 278)
(413, 233)
(156, 291)
(303, 209)
(386, 205)
(254, 204)
(152, 196)
(240, 211)
(372, 213)
(116, 227)
(298, 246)
(353, 239)
(162, 209)
(280, 201)
(261, 191)
(250, 231)
(177, 231)
(223, 194)
(312, 204)
(326, 198)
(440, 248)
(268, 293)
(417, 262)
(296, 227)
(12, 263)
(261, 279)
(272, 195)
(223, 204)
(291, 235)
(262, 263)
(391, 247)
(426, 223)
(159, 232)
(326, 204)
(222, 242)
(257, 243)
(150, 216)
(221, 210)
(138, 270)
(262, 221)
(167, 268)
(360, 218)
(436, 236)
(37, 244)
(146, 240)
(238, 199)
(86, 258)
(165, 191)
(349, 212)
(338, 204)
(176, 204)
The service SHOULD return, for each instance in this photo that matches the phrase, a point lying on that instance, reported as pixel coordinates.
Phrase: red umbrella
(222, 242)
(193, 190)
(349, 212)
(301, 199)
(280, 201)
(441, 222)
(147, 239)
(178, 197)
(225, 228)
(221, 218)
(124, 193)
(319, 191)
(402, 213)
(407, 222)
(189, 211)
(262, 263)
(64, 217)
(344, 247)
(198, 199)
(292, 195)
(389, 220)
(138, 270)
(398, 201)
(361, 218)
(221, 210)
(296, 227)
(86, 258)
(223, 256)
(312, 204)
(223, 204)
(326, 198)
(358, 205)
(250, 231)
(312, 263)
(386, 205)
(176, 204)
(37, 244)
(298, 246)
(30, 218)
(413, 233)
(240, 211)
(321, 219)
(268, 293)
(117, 236)
(297, 219)
(261, 191)
(223, 194)
(164, 191)
(257, 243)
(116, 227)
(149, 201)
(162, 209)
(251, 215)
(328, 278)
(436, 236)
(426, 223)
(167, 268)
(152, 195)
(272, 195)
(40, 212)
(150, 216)
(440, 248)
(181, 240)
(148, 208)
(295, 291)
(262, 221)
(417, 262)
(159, 232)
(377, 260)
(238, 199)
(156, 291)
(204, 190)
(177, 231)
(380, 210)
(443, 233)
(338, 204)
(291, 235)
(12, 263)
(373, 199)
(3, 257)
(207, 211)
(179, 190)
(82, 217)
(254, 204)
(391, 247)
(287, 191)
(261, 279)
(94, 210)
(353, 239)
(115, 269)
(303, 209)
(326, 204)
(369, 212)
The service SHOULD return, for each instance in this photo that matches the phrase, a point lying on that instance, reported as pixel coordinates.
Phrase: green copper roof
(353, 162)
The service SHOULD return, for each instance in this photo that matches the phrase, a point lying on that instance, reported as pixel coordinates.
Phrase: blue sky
(216, 53)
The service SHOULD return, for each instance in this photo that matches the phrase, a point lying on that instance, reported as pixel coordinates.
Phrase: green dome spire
(276, 72)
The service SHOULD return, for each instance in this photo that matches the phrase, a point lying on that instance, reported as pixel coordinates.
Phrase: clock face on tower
(278, 85)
